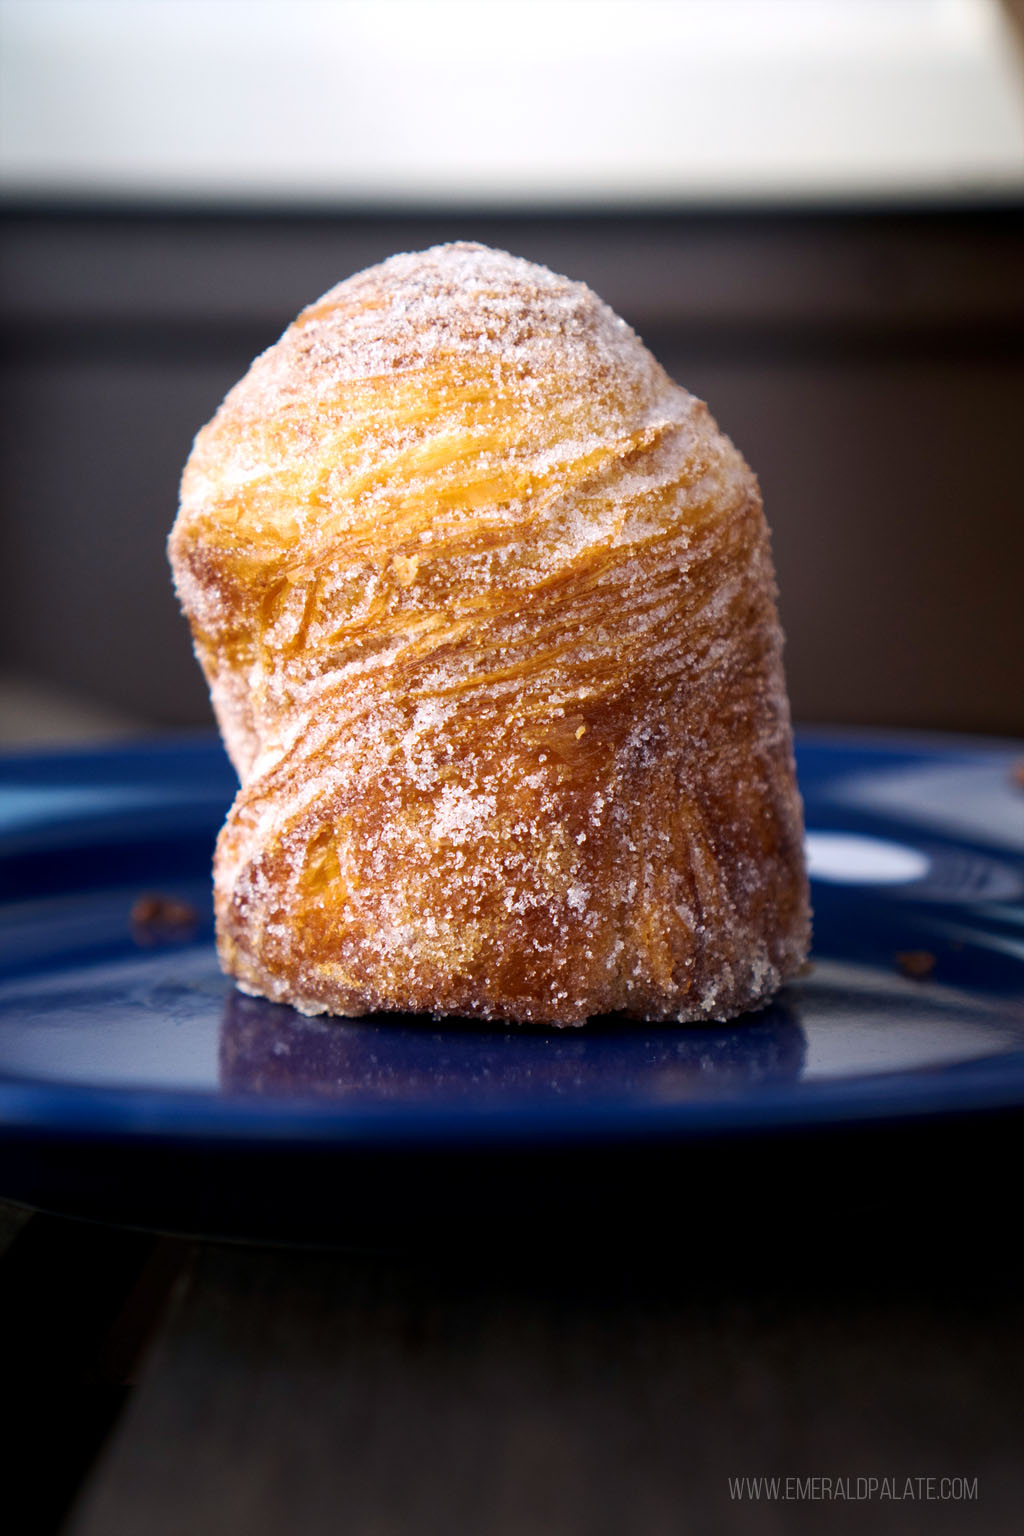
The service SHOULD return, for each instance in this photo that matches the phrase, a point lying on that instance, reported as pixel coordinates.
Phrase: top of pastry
(460, 371)
(463, 298)
(443, 438)
(451, 299)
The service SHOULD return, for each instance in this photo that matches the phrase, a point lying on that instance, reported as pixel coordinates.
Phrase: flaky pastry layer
(487, 611)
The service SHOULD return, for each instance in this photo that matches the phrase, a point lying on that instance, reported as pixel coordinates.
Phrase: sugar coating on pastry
(486, 606)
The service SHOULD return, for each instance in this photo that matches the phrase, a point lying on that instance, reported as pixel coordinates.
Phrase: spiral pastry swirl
(486, 607)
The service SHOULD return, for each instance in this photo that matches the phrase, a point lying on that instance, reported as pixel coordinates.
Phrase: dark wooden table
(530, 1382)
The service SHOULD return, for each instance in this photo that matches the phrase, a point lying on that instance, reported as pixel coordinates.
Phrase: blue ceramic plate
(117, 1027)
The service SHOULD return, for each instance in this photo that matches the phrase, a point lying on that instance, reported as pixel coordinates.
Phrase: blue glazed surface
(109, 1032)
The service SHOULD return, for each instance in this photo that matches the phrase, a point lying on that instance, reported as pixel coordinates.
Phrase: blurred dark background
(862, 343)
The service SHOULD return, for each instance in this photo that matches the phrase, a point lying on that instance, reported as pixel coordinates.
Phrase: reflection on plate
(269, 1050)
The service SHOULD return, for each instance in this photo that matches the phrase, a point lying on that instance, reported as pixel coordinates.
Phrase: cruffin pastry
(486, 606)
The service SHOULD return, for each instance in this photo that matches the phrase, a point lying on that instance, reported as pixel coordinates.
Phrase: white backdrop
(562, 102)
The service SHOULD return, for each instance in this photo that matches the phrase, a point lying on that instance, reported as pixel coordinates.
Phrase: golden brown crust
(486, 606)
